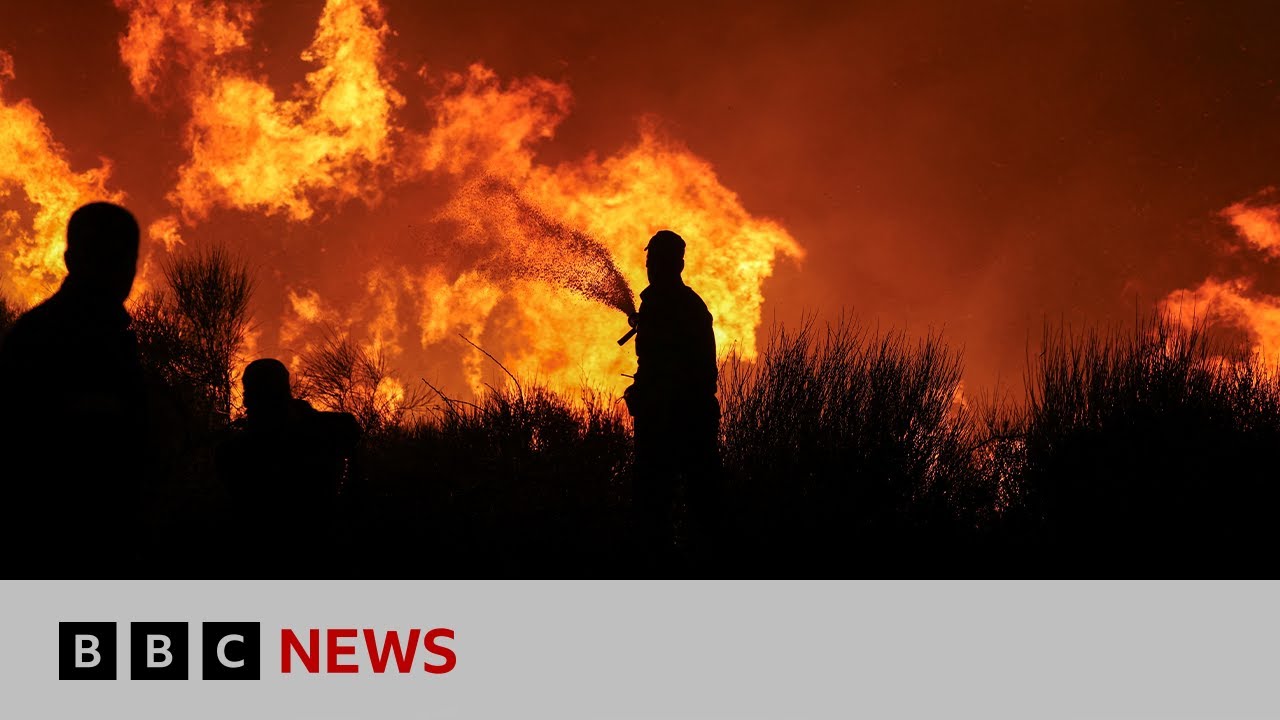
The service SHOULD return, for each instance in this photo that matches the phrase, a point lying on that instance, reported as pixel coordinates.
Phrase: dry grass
(341, 376)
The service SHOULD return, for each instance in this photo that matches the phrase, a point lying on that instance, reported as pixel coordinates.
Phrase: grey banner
(687, 649)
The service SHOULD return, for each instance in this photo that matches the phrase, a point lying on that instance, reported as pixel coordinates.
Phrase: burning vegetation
(534, 261)
(397, 240)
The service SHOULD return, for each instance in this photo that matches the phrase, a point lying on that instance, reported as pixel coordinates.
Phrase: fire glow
(533, 261)
(1236, 301)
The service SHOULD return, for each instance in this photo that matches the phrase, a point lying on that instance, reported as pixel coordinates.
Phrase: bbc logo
(159, 651)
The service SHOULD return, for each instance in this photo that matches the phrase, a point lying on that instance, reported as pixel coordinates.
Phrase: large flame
(250, 150)
(33, 222)
(621, 201)
(533, 262)
(482, 127)
(164, 34)
(657, 184)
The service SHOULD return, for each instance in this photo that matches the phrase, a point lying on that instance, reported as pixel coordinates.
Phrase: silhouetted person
(73, 407)
(673, 399)
(284, 465)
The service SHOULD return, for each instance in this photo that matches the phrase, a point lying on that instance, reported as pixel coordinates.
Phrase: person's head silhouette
(665, 258)
(102, 250)
(266, 388)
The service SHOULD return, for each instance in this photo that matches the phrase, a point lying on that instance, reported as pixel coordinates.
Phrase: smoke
(525, 243)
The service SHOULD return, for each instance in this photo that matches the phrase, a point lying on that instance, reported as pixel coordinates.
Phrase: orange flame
(338, 136)
(621, 201)
(1236, 301)
(1257, 224)
(49, 190)
(659, 184)
(164, 33)
(486, 129)
(249, 149)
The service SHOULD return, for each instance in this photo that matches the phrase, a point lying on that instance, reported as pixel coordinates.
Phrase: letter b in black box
(158, 650)
(86, 651)
(232, 651)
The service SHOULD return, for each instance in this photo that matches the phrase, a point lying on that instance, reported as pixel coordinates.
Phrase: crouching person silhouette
(73, 413)
(285, 466)
(673, 402)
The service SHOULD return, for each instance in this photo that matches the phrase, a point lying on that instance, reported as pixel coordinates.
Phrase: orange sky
(967, 166)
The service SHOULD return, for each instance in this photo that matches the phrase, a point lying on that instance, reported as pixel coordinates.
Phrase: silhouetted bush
(190, 334)
(832, 442)
(341, 376)
(1150, 452)
(165, 345)
(523, 481)
(9, 313)
(210, 292)
(838, 437)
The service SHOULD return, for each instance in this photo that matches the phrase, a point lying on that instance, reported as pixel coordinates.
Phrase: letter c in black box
(232, 651)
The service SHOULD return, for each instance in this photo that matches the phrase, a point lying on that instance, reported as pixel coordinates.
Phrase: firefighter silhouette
(673, 399)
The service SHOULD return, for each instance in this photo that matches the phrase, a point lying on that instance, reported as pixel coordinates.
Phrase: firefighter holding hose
(673, 399)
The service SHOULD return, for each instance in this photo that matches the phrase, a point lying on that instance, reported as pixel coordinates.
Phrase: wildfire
(658, 184)
(1236, 301)
(33, 224)
(619, 202)
(1257, 224)
(248, 149)
(532, 261)
(484, 128)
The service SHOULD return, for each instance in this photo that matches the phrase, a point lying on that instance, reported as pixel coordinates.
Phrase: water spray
(539, 247)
